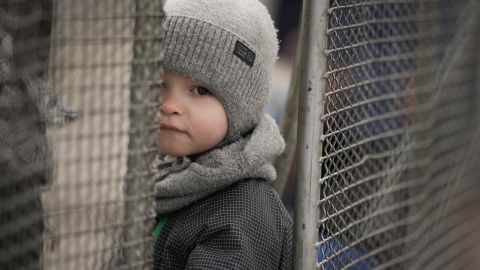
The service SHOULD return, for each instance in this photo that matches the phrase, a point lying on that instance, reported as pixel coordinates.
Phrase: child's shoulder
(246, 206)
(246, 218)
(247, 194)
(248, 198)
(248, 189)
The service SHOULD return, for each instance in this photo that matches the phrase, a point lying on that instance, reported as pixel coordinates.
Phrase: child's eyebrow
(192, 81)
(201, 85)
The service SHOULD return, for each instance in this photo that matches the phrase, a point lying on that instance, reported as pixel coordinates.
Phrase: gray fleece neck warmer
(183, 180)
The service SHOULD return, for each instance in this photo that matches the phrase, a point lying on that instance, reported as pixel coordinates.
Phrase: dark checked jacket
(238, 222)
(241, 227)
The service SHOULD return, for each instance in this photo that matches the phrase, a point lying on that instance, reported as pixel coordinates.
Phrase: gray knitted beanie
(230, 46)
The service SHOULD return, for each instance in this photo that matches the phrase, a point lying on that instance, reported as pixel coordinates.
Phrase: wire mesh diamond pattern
(399, 128)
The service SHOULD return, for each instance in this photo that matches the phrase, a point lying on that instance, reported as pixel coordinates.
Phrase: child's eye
(200, 90)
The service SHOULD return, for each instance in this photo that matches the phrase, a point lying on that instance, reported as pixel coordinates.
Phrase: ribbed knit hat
(230, 46)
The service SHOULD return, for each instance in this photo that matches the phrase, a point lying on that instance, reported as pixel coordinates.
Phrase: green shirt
(158, 229)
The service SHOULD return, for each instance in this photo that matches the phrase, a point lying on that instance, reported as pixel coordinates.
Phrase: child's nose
(170, 105)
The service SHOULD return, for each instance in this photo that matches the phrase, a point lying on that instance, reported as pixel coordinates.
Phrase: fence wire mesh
(78, 102)
(399, 168)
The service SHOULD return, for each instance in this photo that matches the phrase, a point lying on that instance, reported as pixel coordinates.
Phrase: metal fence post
(288, 127)
(146, 72)
(311, 97)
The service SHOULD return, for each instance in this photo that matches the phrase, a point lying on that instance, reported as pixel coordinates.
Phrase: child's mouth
(168, 126)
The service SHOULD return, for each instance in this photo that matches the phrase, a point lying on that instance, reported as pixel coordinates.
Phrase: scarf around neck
(182, 181)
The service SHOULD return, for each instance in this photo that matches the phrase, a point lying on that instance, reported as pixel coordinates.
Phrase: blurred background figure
(23, 166)
(27, 106)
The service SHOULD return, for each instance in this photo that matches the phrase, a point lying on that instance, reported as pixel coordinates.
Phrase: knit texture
(183, 181)
(230, 46)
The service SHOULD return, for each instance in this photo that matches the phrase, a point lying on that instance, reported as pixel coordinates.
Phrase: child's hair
(230, 46)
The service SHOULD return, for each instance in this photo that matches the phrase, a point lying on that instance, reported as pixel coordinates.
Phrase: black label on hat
(244, 53)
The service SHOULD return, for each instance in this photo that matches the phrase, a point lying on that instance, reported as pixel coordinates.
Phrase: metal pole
(283, 163)
(311, 100)
(146, 72)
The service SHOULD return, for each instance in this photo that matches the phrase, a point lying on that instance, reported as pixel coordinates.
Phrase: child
(215, 206)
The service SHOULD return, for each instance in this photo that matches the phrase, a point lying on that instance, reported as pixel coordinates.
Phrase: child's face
(192, 119)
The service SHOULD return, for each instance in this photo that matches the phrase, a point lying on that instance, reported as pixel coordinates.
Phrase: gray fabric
(244, 226)
(6, 56)
(53, 108)
(24, 166)
(201, 37)
(183, 181)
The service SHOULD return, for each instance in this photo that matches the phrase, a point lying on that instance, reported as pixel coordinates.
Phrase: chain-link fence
(399, 118)
(389, 108)
(78, 103)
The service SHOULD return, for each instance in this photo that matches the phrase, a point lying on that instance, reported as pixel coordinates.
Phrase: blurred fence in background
(391, 92)
(387, 155)
(78, 107)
